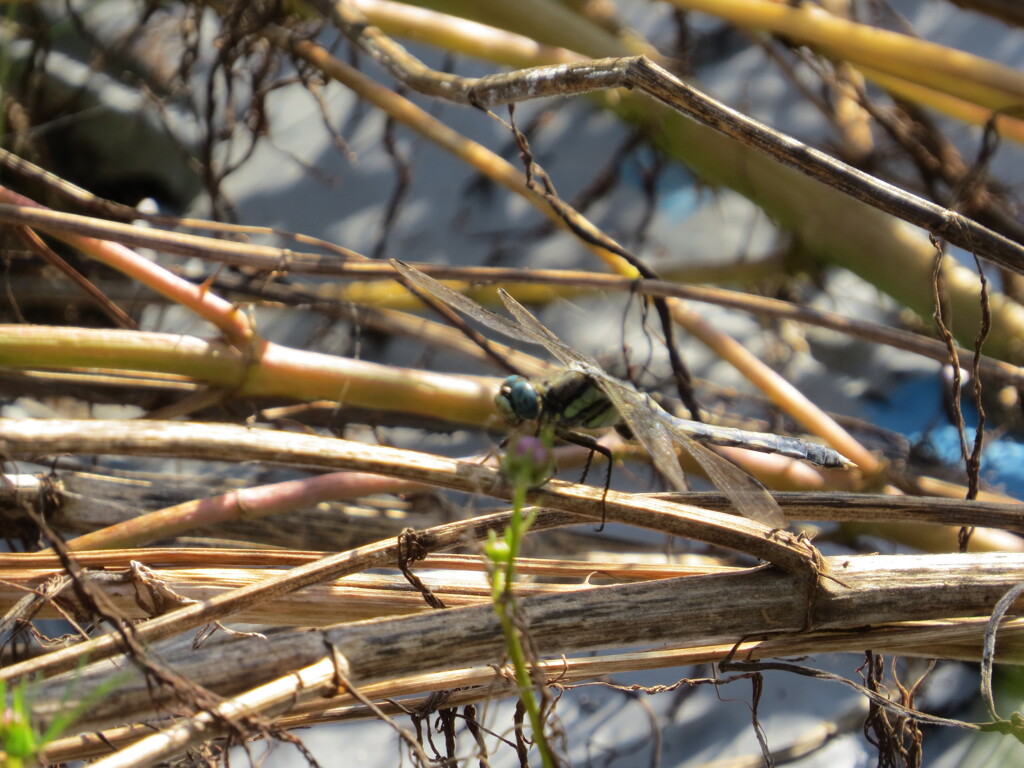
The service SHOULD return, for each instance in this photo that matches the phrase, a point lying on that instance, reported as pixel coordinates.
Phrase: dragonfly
(585, 396)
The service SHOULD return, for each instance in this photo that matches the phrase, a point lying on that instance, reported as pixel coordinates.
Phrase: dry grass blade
(176, 439)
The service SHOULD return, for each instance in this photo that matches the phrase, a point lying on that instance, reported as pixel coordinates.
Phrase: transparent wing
(750, 498)
(658, 435)
(554, 345)
(467, 306)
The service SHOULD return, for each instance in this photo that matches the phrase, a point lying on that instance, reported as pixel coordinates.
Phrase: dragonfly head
(518, 400)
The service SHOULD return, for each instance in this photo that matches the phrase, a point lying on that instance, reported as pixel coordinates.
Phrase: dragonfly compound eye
(517, 399)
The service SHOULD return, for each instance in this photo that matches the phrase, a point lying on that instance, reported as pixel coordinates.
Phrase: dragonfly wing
(653, 435)
(659, 437)
(558, 348)
(749, 497)
(527, 328)
(467, 306)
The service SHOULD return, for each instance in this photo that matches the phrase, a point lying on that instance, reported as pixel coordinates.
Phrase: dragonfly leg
(586, 441)
(586, 467)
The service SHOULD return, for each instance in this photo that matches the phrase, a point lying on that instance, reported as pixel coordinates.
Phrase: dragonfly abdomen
(793, 447)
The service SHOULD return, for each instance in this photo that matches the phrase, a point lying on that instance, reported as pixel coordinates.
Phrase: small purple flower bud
(529, 460)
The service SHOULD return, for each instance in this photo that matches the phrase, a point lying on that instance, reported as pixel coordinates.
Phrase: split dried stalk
(871, 590)
(958, 639)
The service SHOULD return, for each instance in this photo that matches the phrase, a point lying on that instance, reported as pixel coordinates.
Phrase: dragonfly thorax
(574, 399)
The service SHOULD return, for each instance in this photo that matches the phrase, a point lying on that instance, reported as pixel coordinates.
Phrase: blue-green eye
(517, 399)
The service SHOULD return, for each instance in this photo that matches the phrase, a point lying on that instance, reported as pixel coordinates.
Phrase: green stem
(505, 607)
(523, 682)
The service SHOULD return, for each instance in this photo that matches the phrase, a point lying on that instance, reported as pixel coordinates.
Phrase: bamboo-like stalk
(548, 23)
(68, 225)
(1006, 126)
(270, 369)
(957, 73)
(317, 678)
(107, 523)
(460, 35)
(28, 567)
(140, 592)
